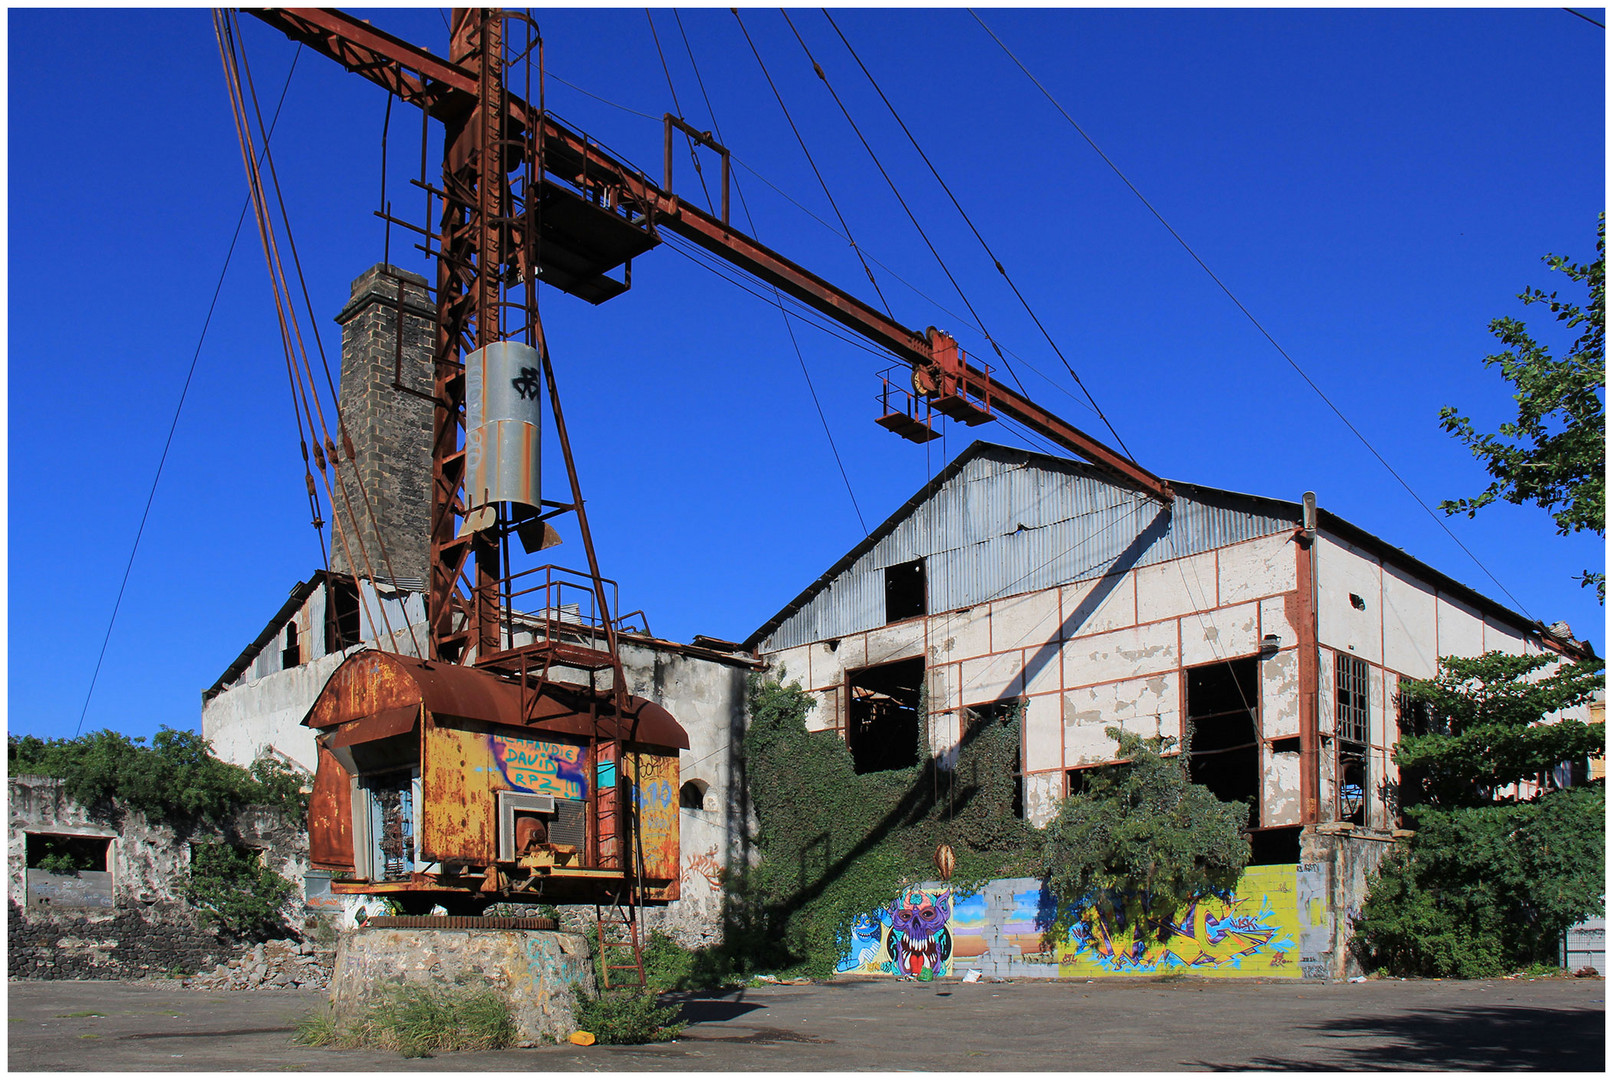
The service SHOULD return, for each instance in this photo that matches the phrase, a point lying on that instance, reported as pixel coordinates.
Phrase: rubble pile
(272, 965)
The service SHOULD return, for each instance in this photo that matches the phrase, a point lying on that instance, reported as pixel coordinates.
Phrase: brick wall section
(390, 428)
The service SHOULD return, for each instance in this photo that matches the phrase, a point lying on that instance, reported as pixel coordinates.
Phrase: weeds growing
(416, 1021)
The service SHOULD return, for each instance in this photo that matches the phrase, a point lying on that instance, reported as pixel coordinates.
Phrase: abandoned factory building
(1272, 645)
(1268, 637)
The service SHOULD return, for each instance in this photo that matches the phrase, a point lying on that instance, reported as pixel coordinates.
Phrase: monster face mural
(919, 944)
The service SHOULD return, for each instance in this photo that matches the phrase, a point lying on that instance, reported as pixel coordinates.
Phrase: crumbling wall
(1349, 857)
(132, 918)
(707, 697)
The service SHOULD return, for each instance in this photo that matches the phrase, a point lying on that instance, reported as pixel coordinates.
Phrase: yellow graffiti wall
(1256, 932)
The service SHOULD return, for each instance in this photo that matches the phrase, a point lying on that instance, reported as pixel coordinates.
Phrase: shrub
(1145, 836)
(627, 1016)
(416, 1021)
(232, 885)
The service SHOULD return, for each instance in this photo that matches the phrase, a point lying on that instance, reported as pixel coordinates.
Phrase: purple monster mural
(920, 945)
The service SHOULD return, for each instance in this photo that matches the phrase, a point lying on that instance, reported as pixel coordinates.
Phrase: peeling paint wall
(1109, 651)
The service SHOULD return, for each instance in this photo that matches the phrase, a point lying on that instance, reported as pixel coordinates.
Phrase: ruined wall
(707, 697)
(1105, 652)
(1269, 929)
(263, 708)
(1347, 858)
(130, 919)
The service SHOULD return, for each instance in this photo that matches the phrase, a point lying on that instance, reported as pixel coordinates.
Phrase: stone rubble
(273, 965)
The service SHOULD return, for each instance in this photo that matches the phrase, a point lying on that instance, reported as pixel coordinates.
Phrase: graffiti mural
(541, 767)
(919, 943)
(930, 932)
(1253, 931)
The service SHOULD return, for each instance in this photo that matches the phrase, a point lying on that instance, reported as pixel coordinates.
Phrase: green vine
(834, 844)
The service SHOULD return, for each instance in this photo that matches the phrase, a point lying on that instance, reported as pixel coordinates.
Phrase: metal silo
(503, 403)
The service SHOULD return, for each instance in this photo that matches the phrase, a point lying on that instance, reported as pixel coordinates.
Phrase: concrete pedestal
(534, 970)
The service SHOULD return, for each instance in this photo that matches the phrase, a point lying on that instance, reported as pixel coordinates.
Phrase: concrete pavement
(1100, 1026)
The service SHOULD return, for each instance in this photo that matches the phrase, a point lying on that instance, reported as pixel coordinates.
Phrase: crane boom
(446, 90)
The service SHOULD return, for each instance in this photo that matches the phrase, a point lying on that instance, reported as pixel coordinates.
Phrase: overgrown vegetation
(1489, 882)
(236, 890)
(174, 779)
(1141, 841)
(834, 845)
(1555, 454)
(628, 1015)
(415, 1021)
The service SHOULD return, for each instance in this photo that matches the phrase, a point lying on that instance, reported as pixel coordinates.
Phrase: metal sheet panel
(456, 782)
(503, 411)
(1007, 523)
(330, 816)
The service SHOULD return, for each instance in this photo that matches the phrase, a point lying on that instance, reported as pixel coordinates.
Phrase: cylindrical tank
(503, 412)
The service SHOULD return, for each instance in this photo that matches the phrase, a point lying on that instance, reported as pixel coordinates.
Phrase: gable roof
(1257, 505)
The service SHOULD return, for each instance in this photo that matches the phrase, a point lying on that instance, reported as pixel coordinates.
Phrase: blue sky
(1374, 186)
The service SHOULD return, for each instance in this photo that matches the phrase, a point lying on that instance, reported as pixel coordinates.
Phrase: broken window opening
(692, 795)
(1351, 726)
(883, 728)
(1274, 847)
(1223, 731)
(341, 615)
(58, 853)
(291, 655)
(904, 591)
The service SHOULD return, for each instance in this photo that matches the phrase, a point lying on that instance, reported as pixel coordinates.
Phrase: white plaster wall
(1112, 602)
(1220, 635)
(1461, 629)
(1274, 620)
(1176, 587)
(1121, 654)
(1410, 638)
(993, 678)
(1043, 732)
(900, 642)
(1257, 568)
(1042, 794)
(961, 634)
(1026, 621)
(245, 720)
(1341, 571)
(1279, 695)
(1279, 801)
(1148, 706)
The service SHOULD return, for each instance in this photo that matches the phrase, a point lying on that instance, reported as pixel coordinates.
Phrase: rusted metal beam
(389, 61)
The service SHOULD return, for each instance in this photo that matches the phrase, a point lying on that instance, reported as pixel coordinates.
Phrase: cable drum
(503, 413)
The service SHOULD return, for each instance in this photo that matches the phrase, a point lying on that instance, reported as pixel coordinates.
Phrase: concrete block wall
(1092, 654)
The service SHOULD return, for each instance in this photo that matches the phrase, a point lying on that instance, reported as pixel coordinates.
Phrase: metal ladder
(622, 911)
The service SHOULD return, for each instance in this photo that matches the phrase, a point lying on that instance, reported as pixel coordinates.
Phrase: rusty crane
(512, 735)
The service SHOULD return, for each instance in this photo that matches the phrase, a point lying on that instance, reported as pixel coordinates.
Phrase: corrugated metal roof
(1001, 521)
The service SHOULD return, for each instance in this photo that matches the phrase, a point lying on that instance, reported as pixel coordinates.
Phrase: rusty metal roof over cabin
(374, 694)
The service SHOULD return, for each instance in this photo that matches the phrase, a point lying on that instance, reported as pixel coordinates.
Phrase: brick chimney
(390, 428)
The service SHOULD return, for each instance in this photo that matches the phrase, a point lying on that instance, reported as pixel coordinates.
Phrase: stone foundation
(535, 971)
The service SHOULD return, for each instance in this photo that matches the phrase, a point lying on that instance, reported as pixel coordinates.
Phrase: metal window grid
(1352, 698)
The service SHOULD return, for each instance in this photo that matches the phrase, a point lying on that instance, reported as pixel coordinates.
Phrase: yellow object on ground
(583, 1038)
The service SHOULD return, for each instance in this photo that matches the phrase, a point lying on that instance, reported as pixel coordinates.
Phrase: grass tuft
(416, 1021)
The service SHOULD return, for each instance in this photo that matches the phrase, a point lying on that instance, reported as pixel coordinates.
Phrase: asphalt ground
(883, 1025)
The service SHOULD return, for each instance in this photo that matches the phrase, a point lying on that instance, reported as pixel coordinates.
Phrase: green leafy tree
(1142, 840)
(176, 778)
(236, 890)
(1489, 884)
(1554, 455)
(1484, 714)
